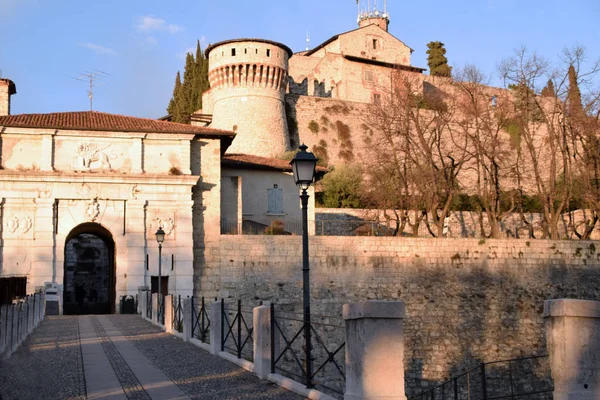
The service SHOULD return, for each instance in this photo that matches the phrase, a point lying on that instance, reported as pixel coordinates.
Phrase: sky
(142, 43)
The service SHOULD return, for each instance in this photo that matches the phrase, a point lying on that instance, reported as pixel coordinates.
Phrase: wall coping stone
(571, 308)
(374, 309)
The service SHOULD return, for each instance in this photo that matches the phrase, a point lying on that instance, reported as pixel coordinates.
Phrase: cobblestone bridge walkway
(121, 357)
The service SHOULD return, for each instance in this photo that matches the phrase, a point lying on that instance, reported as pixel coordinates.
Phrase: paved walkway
(122, 357)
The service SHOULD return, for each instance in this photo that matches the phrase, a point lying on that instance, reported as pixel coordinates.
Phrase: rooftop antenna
(95, 78)
(307, 41)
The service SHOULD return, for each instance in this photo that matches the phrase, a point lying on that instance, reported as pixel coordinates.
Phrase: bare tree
(543, 135)
(483, 118)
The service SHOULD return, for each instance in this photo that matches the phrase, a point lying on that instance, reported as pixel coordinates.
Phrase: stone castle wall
(468, 300)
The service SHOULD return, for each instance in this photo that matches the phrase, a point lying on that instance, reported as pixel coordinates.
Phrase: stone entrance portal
(89, 275)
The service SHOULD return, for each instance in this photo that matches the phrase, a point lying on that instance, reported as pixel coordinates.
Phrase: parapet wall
(467, 300)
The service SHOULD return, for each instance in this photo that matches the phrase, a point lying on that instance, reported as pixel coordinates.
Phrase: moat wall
(467, 300)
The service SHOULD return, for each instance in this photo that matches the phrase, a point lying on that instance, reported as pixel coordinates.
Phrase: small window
(369, 76)
(375, 44)
(268, 53)
(233, 52)
(376, 98)
(245, 51)
(256, 51)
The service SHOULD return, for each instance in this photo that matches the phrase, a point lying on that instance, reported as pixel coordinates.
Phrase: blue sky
(141, 43)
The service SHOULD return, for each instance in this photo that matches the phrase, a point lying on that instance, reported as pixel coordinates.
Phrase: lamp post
(304, 165)
(160, 238)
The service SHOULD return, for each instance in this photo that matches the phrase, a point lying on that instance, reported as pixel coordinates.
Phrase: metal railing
(177, 314)
(161, 309)
(288, 356)
(200, 321)
(148, 304)
(514, 379)
(237, 330)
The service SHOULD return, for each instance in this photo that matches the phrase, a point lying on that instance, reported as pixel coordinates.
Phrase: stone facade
(57, 183)
(467, 300)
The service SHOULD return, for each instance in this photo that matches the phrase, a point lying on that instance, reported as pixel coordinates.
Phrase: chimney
(7, 89)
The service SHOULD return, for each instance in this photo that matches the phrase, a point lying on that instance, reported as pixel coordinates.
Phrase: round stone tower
(248, 79)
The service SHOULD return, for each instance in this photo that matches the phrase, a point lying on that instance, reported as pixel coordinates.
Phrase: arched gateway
(89, 271)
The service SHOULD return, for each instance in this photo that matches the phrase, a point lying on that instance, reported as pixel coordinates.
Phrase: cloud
(99, 49)
(148, 23)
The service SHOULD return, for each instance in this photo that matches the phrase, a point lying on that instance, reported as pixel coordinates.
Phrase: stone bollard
(169, 313)
(262, 340)
(573, 342)
(155, 308)
(143, 301)
(374, 350)
(215, 327)
(187, 319)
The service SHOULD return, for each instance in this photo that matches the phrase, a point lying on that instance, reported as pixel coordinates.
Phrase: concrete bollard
(374, 350)
(187, 319)
(155, 308)
(215, 327)
(262, 340)
(169, 313)
(144, 303)
(573, 342)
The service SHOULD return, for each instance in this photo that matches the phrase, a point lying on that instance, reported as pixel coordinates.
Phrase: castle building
(84, 192)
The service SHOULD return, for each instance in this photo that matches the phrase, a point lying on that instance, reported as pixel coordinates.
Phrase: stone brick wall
(468, 300)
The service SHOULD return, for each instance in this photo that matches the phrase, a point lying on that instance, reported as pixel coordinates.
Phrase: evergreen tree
(437, 61)
(187, 95)
(201, 83)
(187, 87)
(548, 90)
(172, 108)
(574, 106)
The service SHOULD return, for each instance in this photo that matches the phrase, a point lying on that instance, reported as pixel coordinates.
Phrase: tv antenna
(94, 78)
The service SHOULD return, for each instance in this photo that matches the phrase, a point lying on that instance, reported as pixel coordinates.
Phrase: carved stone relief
(93, 210)
(90, 156)
(162, 219)
(19, 224)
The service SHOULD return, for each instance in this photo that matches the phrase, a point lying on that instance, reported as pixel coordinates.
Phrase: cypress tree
(187, 95)
(548, 90)
(172, 108)
(574, 105)
(187, 87)
(437, 61)
(201, 83)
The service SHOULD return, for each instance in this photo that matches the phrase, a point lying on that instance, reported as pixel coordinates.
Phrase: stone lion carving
(89, 156)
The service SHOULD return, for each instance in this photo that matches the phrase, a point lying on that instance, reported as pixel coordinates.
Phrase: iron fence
(327, 369)
(148, 304)
(177, 314)
(237, 330)
(161, 309)
(514, 379)
(200, 321)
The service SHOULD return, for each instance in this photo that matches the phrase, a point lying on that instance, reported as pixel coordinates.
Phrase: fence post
(14, 342)
(168, 313)
(188, 318)
(215, 327)
(573, 342)
(261, 320)
(374, 350)
(155, 308)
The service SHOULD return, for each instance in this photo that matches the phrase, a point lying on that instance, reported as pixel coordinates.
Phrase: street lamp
(160, 238)
(304, 165)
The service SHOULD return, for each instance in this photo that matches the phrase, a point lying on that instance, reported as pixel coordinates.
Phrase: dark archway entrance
(89, 280)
